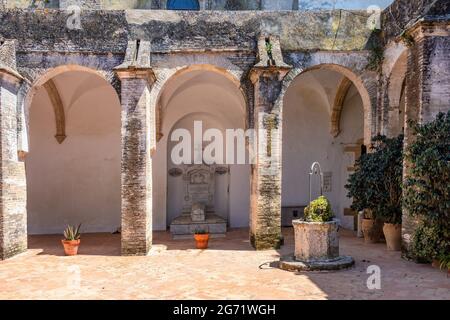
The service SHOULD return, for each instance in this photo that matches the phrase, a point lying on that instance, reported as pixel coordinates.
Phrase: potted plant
(71, 240)
(363, 187)
(389, 155)
(376, 189)
(371, 227)
(201, 237)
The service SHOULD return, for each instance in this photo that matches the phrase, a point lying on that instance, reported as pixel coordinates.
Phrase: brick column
(136, 161)
(265, 210)
(427, 92)
(13, 193)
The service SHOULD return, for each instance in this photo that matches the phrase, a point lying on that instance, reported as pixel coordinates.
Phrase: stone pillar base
(266, 241)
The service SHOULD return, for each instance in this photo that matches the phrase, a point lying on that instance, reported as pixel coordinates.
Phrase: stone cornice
(136, 73)
(256, 72)
(429, 28)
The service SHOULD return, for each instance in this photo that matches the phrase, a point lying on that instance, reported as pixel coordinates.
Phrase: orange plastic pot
(71, 247)
(201, 240)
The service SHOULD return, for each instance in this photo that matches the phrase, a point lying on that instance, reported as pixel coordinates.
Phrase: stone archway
(185, 65)
(318, 101)
(363, 82)
(74, 178)
(214, 96)
(395, 91)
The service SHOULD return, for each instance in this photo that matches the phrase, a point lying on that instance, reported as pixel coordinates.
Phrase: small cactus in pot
(71, 240)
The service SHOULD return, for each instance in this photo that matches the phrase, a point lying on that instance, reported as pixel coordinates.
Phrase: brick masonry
(427, 92)
(13, 194)
(136, 163)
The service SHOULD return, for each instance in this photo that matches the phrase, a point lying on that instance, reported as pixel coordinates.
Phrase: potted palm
(71, 240)
(201, 237)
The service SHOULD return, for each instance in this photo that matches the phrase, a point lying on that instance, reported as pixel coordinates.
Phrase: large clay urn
(316, 241)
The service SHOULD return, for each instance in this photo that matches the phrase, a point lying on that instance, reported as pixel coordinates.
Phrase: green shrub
(445, 261)
(376, 184)
(427, 188)
(319, 210)
(429, 242)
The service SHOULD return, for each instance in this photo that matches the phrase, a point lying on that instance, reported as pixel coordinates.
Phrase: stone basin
(316, 248)
(316, 240)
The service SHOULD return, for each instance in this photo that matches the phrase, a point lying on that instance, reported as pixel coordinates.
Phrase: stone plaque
(199, 183)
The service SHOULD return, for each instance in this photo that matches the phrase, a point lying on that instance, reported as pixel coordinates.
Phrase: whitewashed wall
(307, 138)
(215, 100)
(77, 181)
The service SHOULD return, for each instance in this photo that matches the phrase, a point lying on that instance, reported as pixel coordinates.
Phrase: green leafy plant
(72, 233)
(428, 242)
(376, 184)
(427, 188)
(444, 261)
(319, 210)
(269, 47)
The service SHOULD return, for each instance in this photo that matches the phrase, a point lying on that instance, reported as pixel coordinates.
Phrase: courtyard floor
(230, 269)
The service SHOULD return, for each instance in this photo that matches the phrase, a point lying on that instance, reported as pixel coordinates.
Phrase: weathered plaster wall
(170, 30)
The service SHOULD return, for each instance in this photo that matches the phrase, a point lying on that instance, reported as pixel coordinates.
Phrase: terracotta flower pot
(201, 240)
(370, 231)
(71, 247)
(436, 264)
(393, 235)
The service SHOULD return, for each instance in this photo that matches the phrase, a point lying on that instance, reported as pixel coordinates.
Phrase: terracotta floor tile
(230, 269)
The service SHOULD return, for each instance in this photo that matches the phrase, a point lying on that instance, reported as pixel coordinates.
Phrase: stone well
(316, 248)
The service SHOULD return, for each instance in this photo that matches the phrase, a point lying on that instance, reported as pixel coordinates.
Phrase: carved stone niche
(199, 186)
